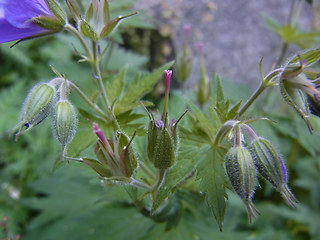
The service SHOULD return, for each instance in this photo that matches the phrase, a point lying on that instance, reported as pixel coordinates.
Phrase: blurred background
(39, 199)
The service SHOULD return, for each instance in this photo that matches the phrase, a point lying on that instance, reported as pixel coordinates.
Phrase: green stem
(251, 100)
(76, 33)
(95, 63)
(147, 170)
(139, 184)
(87, 100)
(161, 178)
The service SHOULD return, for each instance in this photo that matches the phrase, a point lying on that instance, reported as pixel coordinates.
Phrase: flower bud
(242, 175)
(64, 123)
(116, 154)
(164, 153)
(204, 87)
(270, 165)
(184, 60)
(37, 106)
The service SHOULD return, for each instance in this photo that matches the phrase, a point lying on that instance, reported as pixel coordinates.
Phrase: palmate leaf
(76, 209)
(138, 88)
(202, 121)
(213, 180)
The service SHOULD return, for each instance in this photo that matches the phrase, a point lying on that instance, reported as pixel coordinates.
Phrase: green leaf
(220, 98)
(114, 88)
(213, 180)
(78, 144)
(202, 120)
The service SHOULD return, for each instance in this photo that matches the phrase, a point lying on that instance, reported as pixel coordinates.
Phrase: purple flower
(16, 19)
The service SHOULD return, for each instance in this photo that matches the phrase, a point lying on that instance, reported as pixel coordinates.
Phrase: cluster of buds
(184, 60)
(244, 161)
(299, 89)
(96, 24)
(115, 158)
(44, 100)
(163, 135)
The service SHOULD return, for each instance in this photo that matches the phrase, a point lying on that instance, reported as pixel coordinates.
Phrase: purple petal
(15, 18)
(10, 33)
(283, 170)
(19, 12)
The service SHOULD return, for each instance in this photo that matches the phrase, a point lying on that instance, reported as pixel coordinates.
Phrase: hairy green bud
(242, 175)
(270, 165)
(64, 123)
(37, 106)
(163, 143)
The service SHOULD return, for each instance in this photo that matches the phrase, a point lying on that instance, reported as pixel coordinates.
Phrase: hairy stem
(76, 33)
(95, 64)
(87, 100)
(251, 100)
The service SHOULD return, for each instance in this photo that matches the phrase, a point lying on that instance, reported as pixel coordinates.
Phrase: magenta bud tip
(168, 74)
(200, 47)
(99, 132)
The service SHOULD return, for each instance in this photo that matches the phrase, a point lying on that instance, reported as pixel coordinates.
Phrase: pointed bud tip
(168, 74)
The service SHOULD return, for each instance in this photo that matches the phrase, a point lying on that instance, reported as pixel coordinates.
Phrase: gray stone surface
(233, 32)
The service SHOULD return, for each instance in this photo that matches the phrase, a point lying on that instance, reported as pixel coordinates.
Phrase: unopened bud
(164, 154)
(57, 11)
(270, 165)
(88, 31)
(116, 154)
(163, 142)
(37, 106)
(242, 175)
(65, 123)
(204, 87)
(48, 22)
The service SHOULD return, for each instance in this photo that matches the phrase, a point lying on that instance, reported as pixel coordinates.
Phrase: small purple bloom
(15, 19)
(159, 124)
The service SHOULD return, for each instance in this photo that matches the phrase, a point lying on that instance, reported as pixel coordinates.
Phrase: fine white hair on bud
(271, 166)
(64, 123)
(242, 175)
(37, 106)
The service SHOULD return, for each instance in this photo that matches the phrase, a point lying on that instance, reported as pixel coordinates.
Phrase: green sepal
(152, 139)
(164, 155)
(296, 99)
(310, 56)
(47, 22)
(57, 11)
(74, 9)
(128, 159)
(112, 24)
(87, 30)
(102, 170)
